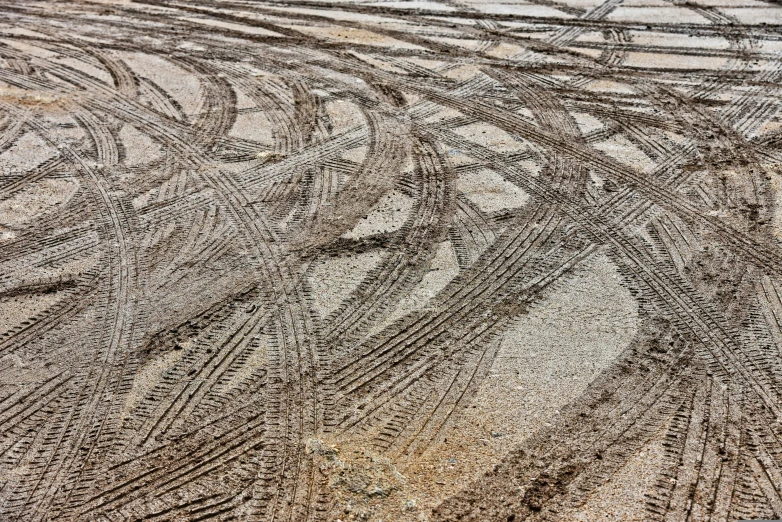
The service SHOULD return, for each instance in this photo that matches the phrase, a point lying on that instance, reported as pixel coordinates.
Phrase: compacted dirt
(391, 260)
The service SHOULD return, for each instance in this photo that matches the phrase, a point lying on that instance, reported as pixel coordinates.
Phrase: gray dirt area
(390, 260)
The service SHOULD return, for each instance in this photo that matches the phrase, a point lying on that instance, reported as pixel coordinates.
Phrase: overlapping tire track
(190, 270)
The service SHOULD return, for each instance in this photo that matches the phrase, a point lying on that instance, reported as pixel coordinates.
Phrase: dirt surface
(391, 260)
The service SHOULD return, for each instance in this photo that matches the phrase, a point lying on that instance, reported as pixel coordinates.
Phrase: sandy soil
(383, 261)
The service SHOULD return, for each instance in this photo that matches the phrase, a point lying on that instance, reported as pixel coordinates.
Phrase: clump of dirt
(365, 484)
(33, 99)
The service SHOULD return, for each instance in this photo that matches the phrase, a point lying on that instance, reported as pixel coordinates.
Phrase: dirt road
(391, 260)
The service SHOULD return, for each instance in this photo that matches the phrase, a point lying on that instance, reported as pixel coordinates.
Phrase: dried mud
(391, 260)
